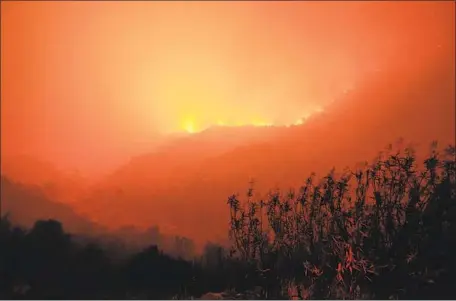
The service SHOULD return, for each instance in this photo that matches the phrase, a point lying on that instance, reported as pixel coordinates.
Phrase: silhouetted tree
(384, 231)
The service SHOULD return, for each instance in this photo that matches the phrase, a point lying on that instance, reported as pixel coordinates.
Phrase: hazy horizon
(87, 85)
(256, 149)
(122, 92)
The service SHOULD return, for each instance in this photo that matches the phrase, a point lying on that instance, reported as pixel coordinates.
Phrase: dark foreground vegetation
(387, 230)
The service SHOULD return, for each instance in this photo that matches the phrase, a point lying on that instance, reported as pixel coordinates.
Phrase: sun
(189, 127)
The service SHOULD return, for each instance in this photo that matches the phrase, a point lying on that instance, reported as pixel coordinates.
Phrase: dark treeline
(384, 231)
(21, 201)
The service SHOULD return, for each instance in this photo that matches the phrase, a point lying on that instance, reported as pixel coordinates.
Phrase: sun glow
(261, 123)
(299, 121)
(189, 127)
(193, 124)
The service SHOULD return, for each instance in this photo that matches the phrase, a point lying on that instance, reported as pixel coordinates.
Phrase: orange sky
(87, 84)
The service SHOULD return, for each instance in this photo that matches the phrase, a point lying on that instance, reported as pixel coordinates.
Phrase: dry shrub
(386, 230)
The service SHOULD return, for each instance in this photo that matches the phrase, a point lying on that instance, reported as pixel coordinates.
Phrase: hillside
(26, 204)
(60, 186)
(196, 173)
